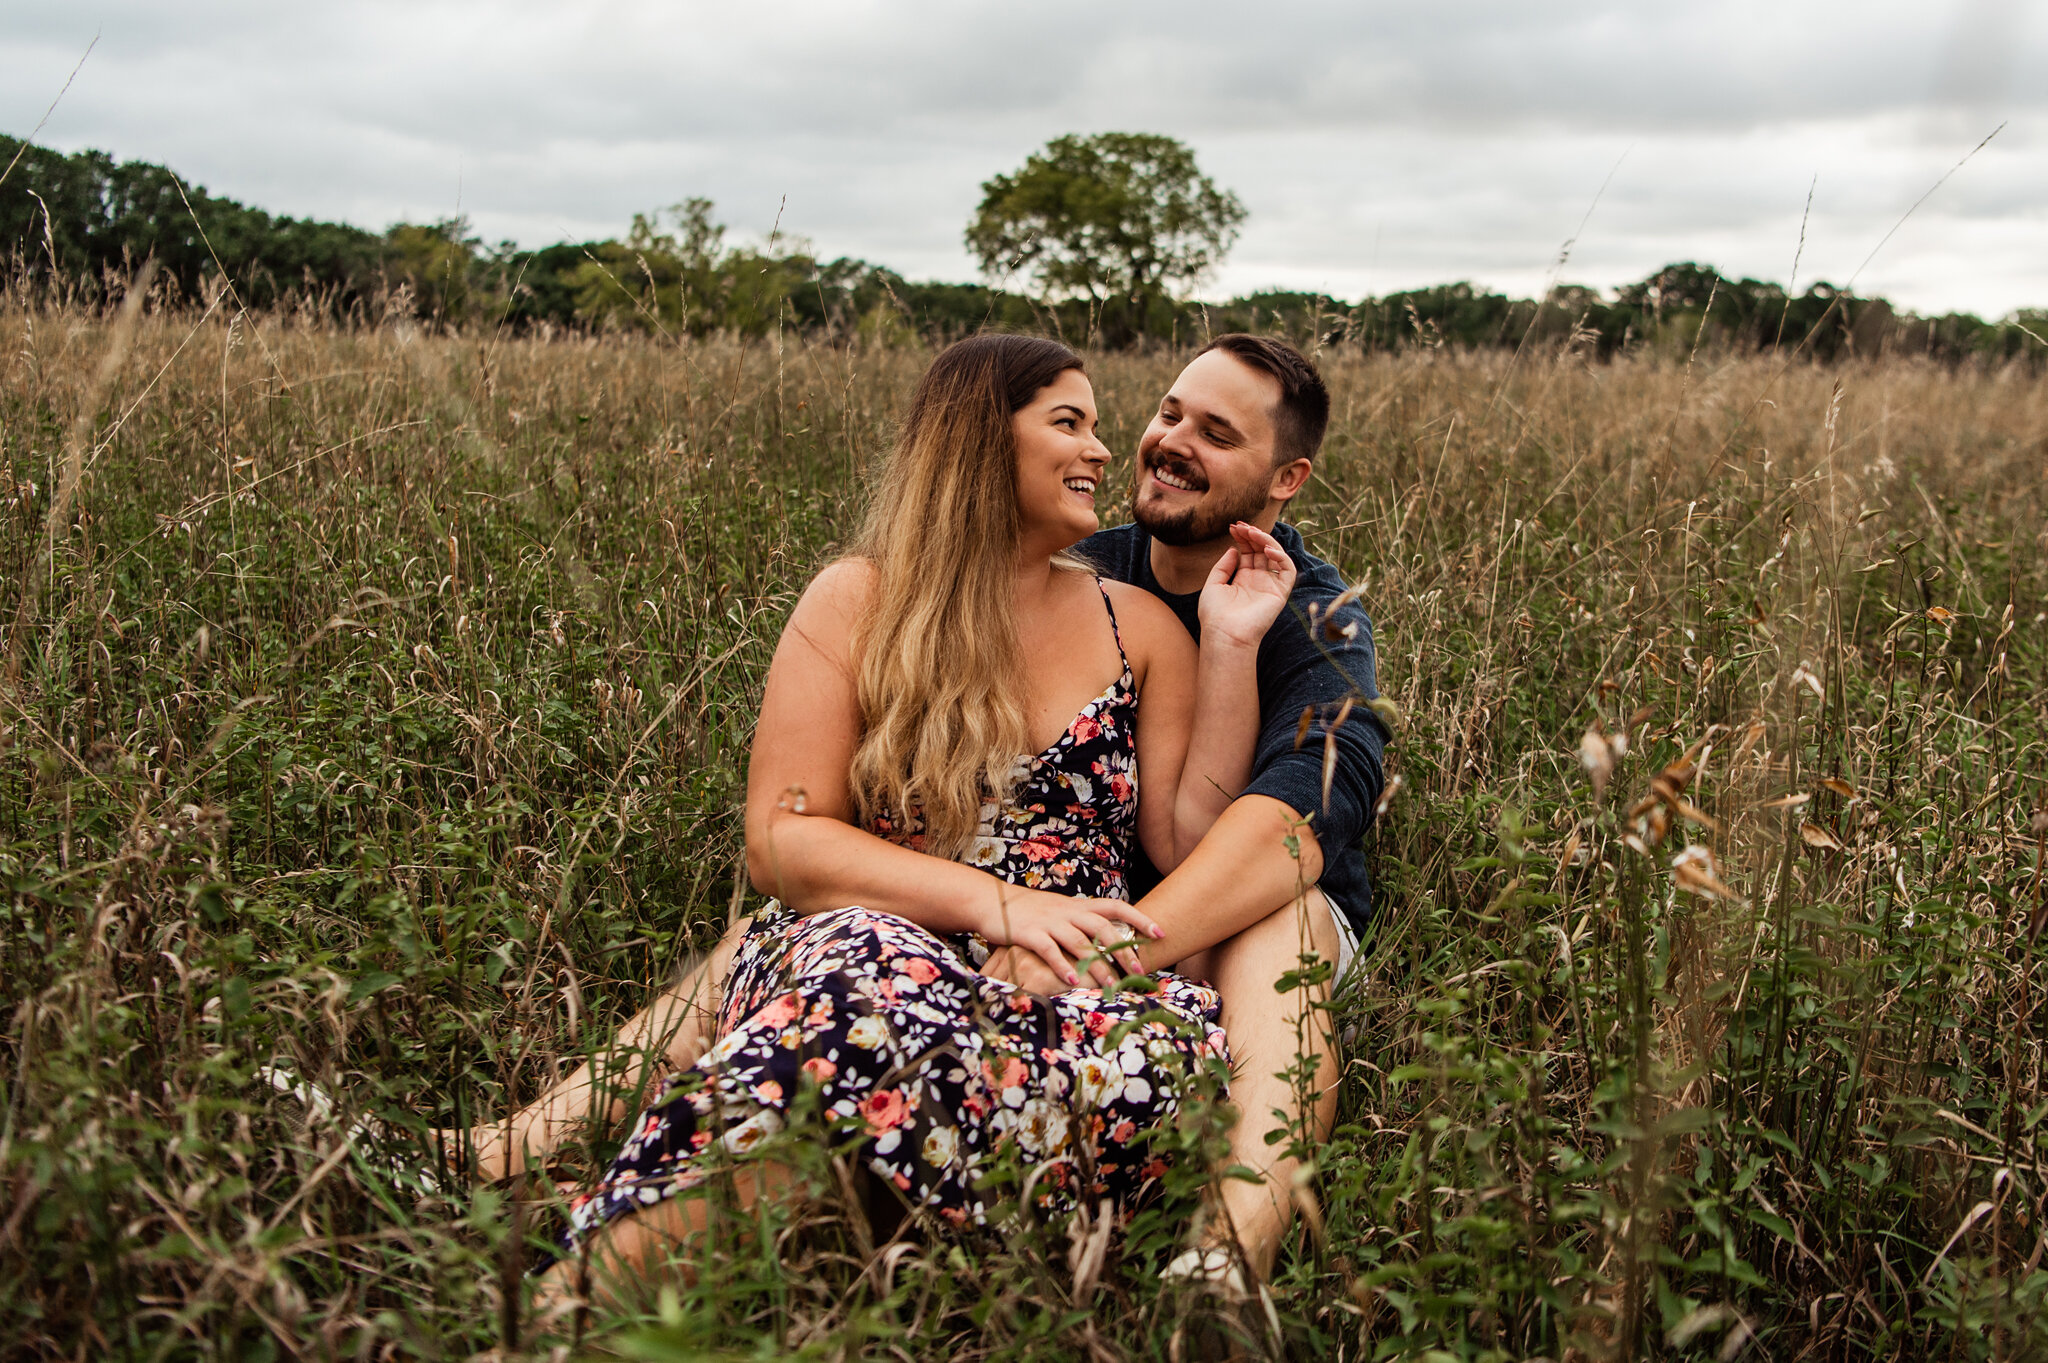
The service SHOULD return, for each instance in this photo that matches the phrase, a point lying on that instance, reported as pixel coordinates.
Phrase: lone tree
(1118, 219)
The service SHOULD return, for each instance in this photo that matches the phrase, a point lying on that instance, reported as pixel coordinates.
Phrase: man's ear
(1290, 478)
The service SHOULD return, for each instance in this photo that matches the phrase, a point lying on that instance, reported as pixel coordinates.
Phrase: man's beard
(1207, 520)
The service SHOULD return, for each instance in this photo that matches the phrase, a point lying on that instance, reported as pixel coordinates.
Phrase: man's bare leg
(1265, 1042)
(668, 1035)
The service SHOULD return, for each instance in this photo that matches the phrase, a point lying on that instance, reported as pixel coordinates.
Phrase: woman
(952, 739)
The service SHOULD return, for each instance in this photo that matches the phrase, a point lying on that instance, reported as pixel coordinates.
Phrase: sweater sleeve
(1299, 672)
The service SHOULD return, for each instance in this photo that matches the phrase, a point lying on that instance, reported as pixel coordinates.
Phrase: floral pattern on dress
(1072, 813)
(932, 1071)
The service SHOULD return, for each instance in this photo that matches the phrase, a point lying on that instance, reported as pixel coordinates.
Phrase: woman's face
(1059, 463)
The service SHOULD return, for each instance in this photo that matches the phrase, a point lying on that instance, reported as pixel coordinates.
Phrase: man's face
(1207, 458)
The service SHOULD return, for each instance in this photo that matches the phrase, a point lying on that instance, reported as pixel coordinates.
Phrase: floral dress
(932, 1072)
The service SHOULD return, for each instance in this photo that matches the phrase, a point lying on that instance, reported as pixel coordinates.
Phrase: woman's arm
(802, 845)
(1246, 591)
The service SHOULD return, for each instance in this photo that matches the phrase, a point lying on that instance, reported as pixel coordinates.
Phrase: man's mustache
(1189, 473)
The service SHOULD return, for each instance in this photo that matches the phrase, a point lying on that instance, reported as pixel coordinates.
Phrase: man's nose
(1176, 439)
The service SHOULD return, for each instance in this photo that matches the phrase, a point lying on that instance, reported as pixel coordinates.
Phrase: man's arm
(1236, 876)
(1259, 855)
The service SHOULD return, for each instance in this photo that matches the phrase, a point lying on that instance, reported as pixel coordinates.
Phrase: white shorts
(1347, 948)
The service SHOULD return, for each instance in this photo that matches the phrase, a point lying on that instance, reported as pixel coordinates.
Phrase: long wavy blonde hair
(938, 671)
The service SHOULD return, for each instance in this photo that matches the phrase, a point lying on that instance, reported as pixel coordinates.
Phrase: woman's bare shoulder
(844, 582)
(1148, 625)
(827, 611)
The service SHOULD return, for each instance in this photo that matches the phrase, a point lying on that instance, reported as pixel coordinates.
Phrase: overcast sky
(1378, 146)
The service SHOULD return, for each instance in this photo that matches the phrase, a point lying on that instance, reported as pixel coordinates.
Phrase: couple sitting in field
(984, 729)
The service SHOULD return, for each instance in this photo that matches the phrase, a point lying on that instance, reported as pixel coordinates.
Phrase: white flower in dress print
(1083, 788)
(750, 1133)
(985, 852)
(1096, 1081)
(1131, 1059)
(1042, 1127)
(727, 1047)
(868, 1032)
(941, 1146)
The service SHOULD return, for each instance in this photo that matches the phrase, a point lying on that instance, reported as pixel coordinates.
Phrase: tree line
(1097, 239)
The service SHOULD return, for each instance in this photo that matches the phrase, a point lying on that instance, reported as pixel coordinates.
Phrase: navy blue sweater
(1297, 671)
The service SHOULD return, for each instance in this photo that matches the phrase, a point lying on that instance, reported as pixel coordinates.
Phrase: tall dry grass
(379, 702)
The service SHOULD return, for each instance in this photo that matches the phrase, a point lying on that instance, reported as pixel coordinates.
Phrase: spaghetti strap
(1116, 633)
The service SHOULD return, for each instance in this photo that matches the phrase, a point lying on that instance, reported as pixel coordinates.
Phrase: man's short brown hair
(1304, 411)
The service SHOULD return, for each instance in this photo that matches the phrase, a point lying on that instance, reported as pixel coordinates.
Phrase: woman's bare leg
(630, 1251)
(668, 1035)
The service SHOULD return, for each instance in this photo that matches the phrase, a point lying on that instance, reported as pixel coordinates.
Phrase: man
(1280, 875)
(1235, 440)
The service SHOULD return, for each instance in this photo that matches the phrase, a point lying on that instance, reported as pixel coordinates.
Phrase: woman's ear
(1290, 478)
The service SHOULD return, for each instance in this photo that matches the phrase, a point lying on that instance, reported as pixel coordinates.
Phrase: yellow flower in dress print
(868, 1032)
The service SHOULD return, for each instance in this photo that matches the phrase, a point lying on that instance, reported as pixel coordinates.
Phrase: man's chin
(1180, 529)
(1204, 523)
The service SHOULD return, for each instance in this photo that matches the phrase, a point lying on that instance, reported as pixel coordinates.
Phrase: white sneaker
(1210, 1266)
(311, 1107)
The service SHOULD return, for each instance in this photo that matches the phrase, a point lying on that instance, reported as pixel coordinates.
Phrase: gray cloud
(1378, 146)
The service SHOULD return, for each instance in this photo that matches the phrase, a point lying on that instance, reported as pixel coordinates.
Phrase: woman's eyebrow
(1070, 407)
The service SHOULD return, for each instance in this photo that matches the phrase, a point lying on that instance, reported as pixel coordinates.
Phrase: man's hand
(1061, 929)
(1023, 969)
(1247, 589)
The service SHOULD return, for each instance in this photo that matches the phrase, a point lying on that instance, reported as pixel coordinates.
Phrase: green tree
(666, 272)
(84, 217)
(1117, 219)
(433, 261)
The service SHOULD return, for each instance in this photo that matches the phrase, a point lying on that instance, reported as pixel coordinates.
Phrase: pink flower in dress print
(885, 1111)
(1039, 849)
(1085, 727)
(779, 1012)
(920, 970)
(819, 1068)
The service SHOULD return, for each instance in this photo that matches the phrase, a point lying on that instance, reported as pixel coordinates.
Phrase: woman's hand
(1246, 589)
(1061, 929)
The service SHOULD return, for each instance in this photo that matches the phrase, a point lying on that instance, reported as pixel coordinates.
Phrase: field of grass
(379, 701)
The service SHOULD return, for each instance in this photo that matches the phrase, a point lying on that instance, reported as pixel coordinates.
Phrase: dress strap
(1116, 633)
